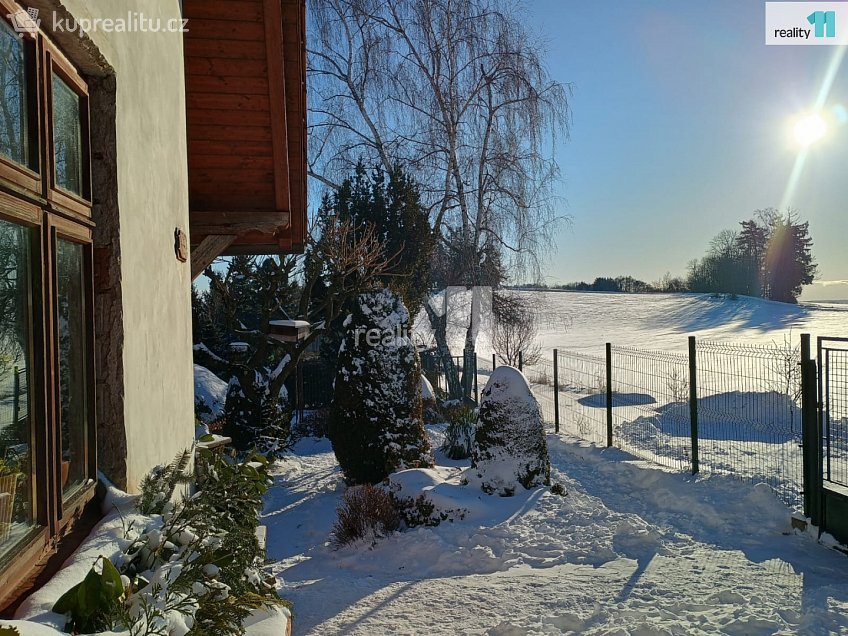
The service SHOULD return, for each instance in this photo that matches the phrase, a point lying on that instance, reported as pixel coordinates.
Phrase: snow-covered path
(631, 549)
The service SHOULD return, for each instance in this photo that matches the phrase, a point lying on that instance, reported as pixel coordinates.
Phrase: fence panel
(540, 375)
(749, 414)
(582, 387)
(834, 365)
(650, 405)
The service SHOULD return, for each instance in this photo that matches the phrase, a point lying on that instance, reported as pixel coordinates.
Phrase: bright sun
(809, 129)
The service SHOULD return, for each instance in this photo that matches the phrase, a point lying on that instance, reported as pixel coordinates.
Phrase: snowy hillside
(574, 321)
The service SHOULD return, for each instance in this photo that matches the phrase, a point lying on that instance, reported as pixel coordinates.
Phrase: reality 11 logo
(825, 23)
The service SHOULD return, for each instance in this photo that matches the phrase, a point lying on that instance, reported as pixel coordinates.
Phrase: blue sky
(682, 123)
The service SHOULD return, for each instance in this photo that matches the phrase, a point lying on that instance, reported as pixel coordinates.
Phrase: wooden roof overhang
(245, 66)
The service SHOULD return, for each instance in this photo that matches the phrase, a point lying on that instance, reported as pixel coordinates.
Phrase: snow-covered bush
(428, 496)
(375, 422)
(459, 435)
(366, 512)
(255, 419)
(160, 484)
(196, 567)
(509, 446)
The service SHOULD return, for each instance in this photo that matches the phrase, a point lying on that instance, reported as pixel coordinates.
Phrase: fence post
(521, 361)
(609, 394)
(16, 406)
(476, 383)
(693, 402)
(810, 442)
(556, 391)
(494, 361)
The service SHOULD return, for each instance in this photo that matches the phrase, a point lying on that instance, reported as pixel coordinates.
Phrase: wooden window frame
(31, 198)
(55, 62)
(26, 176)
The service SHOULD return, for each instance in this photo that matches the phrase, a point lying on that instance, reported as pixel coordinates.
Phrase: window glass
(13, 112)
(67, 136)
(70, 299)
(15, 418)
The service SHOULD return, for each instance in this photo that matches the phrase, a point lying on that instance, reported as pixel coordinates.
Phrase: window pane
(72, 363)
(13, 112)
(67, 136)
(15, 421)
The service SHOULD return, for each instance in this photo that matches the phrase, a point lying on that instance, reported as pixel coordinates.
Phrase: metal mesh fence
(748, 408)
(541, 377)
(582, 387)
(650, 405)
(749, 414)
(834, 365)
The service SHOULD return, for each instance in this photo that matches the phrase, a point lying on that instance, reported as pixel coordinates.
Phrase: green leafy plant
(94, 604)
(197, 562)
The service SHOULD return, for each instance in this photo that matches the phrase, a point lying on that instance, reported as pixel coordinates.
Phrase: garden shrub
(510, 448)
(195, 566)
(459, 434)
(160, 484)
(375, 422)
(366, 512)
(255, 419)
(421, 511)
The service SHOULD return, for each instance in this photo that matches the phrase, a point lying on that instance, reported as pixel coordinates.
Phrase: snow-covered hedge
(375, 421)
(510, 448)
(170, 567)
(256, 419)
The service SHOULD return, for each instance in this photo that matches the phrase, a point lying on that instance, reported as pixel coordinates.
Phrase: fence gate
(833, 435)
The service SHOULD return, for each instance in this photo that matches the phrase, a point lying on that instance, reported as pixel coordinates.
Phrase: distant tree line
(623, 284)
(770, 257)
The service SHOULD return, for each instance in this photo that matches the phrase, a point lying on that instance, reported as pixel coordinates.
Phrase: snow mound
(427, 393)
(210, 391)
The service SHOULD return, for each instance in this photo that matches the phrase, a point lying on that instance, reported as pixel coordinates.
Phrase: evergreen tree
(510, 448)
(770, 257)
(376, 424)
(390, 203)
(788, 263)
(751, 242)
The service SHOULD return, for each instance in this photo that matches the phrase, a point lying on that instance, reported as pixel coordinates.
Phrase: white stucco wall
(152, 201)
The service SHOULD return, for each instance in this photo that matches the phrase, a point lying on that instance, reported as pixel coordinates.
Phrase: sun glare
(809, 129)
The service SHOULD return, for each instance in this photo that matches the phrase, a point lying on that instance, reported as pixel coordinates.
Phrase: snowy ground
(748, 427)
(630, 550)
(574, 321)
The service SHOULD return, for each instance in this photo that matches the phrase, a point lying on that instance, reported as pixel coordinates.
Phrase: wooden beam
(274, 51)
(237, 221)
(209, 249)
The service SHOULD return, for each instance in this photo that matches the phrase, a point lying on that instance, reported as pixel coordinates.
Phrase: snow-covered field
(749, 427)
(631, 549)
(575, 321)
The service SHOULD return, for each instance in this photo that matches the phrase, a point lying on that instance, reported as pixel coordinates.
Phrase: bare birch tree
(456, 91)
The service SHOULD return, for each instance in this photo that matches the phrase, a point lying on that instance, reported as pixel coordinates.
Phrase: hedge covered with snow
(375, 421)
(510, 448)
